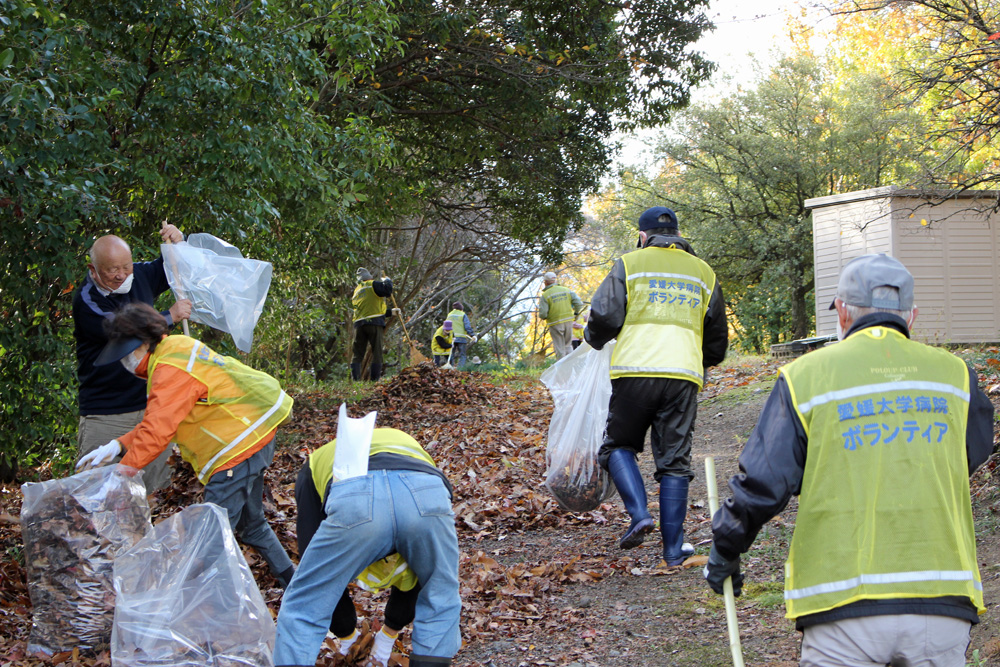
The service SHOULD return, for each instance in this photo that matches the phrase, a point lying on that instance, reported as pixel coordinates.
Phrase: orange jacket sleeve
(171, 398)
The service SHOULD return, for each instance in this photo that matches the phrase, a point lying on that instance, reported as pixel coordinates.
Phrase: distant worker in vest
(579, 324)
(559, 306)
(111, 400)
(877, 435)
(665, 307)
(442, 343)
(369, 322)
(222, 414)
(463, 332)
(400, 509)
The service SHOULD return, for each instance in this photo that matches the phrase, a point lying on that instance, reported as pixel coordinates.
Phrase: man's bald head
(110, 262)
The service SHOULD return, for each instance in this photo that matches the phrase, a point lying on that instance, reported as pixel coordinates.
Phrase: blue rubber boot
(628, 480)
(375, 373)
(673, 509)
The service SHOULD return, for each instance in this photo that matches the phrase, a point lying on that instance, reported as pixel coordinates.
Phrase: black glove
(719, 568)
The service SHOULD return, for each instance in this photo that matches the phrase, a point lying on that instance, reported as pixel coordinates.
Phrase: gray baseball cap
(862, 275)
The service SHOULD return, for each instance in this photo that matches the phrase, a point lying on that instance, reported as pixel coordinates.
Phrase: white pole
(727, 585)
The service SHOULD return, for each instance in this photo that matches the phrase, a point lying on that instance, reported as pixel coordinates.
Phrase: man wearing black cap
(665, 307)
(877, 435)
(369, 321)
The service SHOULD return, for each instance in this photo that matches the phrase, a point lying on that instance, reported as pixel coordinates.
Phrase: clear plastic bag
(73, 528)
(580, 385)
(186, 598)
(227, 290)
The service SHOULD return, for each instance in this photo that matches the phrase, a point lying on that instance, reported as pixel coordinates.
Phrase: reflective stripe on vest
(668, 291)
(560, 300)
(457, 318)
(243, 405)
(447, 335)
(367, 304)
(884, 510)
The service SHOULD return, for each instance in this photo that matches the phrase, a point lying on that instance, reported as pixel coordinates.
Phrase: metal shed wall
(954, 257)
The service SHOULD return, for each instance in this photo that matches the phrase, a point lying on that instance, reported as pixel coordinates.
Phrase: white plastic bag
(354, 444)
(73, 528)
(580, 385)
(186, 598)
(227, 291)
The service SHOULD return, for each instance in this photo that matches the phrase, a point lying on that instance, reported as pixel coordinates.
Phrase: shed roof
(896, 191)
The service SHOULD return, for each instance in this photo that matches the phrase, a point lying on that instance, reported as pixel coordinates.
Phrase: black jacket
(771, 469)
(110, 389)
(610, 303)
(382, 288)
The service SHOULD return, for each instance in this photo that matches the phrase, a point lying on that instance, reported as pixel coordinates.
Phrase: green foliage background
(304, 133)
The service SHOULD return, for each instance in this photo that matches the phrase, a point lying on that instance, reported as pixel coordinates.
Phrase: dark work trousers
(668, 405)
(365, 335)
(401, 607)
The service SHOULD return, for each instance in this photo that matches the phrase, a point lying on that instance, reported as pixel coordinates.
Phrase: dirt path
(634, 615)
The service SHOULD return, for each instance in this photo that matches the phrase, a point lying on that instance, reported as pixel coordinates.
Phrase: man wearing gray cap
(559, 306)
(878, 436)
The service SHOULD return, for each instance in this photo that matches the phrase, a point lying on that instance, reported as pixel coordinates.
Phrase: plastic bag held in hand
(186, 598)
(354, 443)
(227, 291)
(580, 385)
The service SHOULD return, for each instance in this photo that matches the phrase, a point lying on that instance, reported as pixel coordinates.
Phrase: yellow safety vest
(367, 304)
(884, 511)
(578, 331)
(243, 405)
(392, 570)
(668, 292)
(457, 318)
(447, 335)
(560, 300)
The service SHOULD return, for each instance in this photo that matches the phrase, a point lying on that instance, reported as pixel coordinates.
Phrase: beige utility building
(950, 242)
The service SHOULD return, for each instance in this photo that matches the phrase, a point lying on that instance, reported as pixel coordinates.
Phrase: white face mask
(840, 330)
(125, 287)
(130, 361)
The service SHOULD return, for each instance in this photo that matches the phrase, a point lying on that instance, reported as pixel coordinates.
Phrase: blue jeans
(458, 357)
(414, 517)
(240, 491)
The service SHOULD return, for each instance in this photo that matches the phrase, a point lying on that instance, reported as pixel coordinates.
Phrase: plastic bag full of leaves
(580, 385)
(73, 529)
(187, 598)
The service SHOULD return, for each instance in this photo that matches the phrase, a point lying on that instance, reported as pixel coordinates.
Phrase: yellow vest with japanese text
(447, 335)
(392, 570)
(560, 300)
(457, 318)
(884, 510)
(668, 291)
(243, 405)
(367, 304)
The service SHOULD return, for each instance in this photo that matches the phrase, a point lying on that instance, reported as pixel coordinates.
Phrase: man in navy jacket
(111, 399)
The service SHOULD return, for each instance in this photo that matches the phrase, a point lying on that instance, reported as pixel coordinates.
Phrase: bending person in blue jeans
(413, 519)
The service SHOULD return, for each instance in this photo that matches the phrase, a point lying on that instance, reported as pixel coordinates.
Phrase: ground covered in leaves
(540, 585)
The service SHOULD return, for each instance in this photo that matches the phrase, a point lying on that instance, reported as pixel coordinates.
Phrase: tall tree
(951, 71)
(738, 172)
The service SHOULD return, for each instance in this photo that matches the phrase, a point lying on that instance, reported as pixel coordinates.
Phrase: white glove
(473, 339)
(101, 455)
(386, 279)
(396, 312)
